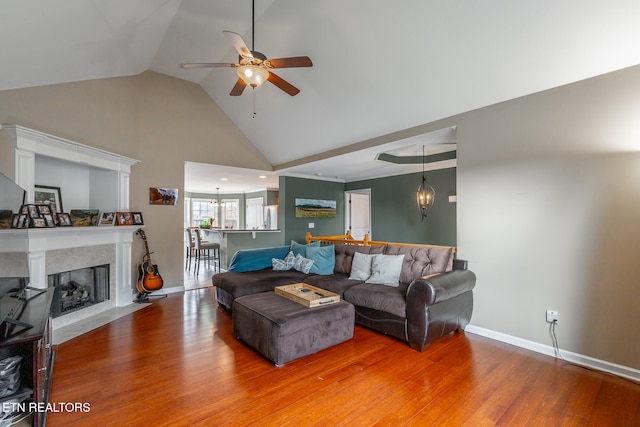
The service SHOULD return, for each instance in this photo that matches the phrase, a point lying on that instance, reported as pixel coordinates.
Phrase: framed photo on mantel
(45, 195)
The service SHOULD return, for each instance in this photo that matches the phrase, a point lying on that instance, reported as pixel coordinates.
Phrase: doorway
(358, 212)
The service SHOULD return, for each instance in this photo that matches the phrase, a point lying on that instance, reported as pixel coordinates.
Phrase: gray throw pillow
(284, 264)
(385, 269)
(302, 264)
(360, 266)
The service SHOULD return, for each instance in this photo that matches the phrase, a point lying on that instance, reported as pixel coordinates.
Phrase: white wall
(549, 214)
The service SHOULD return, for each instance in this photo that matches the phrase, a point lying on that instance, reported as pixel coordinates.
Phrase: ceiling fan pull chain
(254, 103)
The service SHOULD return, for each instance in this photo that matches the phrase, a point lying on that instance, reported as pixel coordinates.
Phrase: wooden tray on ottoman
(307, 295)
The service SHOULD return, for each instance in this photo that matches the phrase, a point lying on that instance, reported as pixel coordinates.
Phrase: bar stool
(191, 248)
(203, 251)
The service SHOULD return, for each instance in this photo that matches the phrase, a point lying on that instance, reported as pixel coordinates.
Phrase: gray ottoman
(282, 330)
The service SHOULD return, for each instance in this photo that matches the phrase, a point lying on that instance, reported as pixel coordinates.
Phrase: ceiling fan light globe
(253, 75)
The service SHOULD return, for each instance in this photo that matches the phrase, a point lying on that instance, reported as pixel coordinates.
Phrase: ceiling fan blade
(283, 84)
(207, 64)
(238, 88)
(238, 44)
(294, 61)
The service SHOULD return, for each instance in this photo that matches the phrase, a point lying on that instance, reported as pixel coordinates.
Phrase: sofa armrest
(256, 259)
(460, 264)
(440, 287)
(437, 305)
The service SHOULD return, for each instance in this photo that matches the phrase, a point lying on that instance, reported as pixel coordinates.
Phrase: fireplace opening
(78, 289)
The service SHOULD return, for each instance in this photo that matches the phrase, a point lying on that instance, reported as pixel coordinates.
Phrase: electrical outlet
(552, 316)
(312, 225)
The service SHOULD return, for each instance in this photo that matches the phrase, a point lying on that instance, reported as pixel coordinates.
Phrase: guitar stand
(144, 297)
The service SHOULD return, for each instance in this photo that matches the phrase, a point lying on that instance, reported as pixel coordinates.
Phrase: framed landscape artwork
(163, 196)
(6, 219)
(84, 217)
(315, 208)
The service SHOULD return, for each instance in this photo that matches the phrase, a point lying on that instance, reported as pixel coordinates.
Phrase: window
(203, 209)
(232, 213)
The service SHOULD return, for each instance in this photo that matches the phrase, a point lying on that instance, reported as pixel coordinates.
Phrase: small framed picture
(64, 220)
(107, 218)
(84, 217)
(124, 218)
(23, 221)
(32, 211)
(137, 218)
(48, 218)
(14, 220)
(44, 209)
(38, 223)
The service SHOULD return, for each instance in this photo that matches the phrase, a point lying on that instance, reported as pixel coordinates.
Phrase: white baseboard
(578, 359)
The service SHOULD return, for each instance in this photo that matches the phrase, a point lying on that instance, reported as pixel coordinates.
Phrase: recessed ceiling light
(224, 179)
(263, 177)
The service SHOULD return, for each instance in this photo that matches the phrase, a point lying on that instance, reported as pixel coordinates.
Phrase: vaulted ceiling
(378, 66)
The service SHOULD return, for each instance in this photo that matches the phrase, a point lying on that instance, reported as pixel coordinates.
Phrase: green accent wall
(292, 188)
(394, 212)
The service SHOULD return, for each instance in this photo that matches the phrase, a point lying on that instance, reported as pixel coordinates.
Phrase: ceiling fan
(253, 67)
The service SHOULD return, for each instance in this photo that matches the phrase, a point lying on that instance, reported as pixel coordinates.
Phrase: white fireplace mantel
(28, 153)
(38, 242)
(29, 144)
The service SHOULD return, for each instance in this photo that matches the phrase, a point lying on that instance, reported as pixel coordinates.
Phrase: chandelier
(426, 195)
(217, 202)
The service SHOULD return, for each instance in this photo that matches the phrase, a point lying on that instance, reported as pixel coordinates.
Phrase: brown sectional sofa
(434, 296)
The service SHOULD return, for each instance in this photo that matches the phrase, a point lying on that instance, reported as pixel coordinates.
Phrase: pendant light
(217, 201)
(426, 195)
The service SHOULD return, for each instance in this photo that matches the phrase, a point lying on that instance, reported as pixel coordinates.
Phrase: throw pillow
(300, 249)
(302, 264)
(283, 264)
(385, 269)
(324, 259)
(360, 266)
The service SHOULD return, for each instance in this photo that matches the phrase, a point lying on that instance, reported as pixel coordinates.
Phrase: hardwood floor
(177, 363)
(200, 280)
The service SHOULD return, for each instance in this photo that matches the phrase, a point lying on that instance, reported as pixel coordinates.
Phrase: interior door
(358, 213)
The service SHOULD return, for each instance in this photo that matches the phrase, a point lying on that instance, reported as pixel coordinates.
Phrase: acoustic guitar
(149, 278)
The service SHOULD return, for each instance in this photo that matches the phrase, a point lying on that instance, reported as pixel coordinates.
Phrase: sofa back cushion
(344, 255)
(324, 259)
(256, 259)
(421, 260)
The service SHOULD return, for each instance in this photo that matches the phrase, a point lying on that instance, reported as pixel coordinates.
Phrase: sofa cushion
(300, 249)
(336, 283)
(420, 261)
(361, 266)
(344, 255)
(384, 298)
(324, 259)
(385, 269)
(256, 259)
(251, 282)
(284, 264)
(302, 264)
